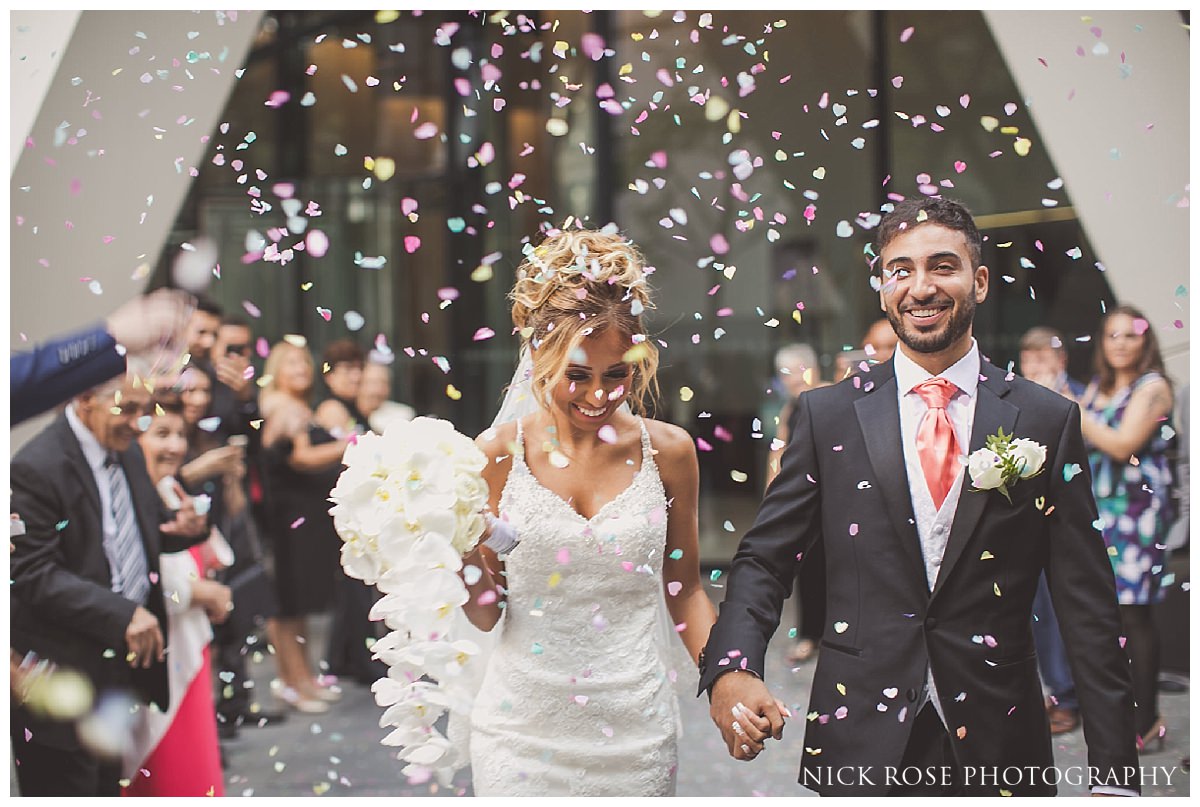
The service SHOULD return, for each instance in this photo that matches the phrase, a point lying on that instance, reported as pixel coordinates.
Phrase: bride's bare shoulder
(671, 442)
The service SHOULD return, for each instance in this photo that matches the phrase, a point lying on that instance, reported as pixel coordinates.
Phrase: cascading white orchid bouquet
(407, 506)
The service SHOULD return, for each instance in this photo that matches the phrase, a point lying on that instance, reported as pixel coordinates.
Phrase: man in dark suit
(85, 591)
(927, 680)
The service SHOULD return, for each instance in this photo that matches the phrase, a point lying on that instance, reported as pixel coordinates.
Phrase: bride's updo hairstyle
(573, 285)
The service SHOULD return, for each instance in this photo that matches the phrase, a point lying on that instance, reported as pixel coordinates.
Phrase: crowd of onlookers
(184, 460)
(209, 485)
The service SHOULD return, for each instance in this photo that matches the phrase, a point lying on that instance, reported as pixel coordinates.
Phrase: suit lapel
(879, 419)
(992, 412)
(79, 466)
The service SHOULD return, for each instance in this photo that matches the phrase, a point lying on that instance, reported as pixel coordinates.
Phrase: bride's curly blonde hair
(575, 284)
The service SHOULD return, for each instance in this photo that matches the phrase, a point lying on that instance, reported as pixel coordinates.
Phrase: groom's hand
(746, 713)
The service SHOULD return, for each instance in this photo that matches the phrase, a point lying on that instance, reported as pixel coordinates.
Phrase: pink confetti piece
(487, 598)
(674, 587)
(296, 524)
(325, 313)
(659, 159)
(487, 333)
(425, 131)
(703, 444)
(278, 98)
(316, 243)
(447, 293)
(251, 309)
(853, 530)
(960, 166)
(907, 33)
(563, 556)
(964, 100)
(408, 206)
(411, 244)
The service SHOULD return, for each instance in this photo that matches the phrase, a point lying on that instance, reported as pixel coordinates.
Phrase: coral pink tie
(937, 447)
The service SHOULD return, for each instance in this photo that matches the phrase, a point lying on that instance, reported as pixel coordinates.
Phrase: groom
(927, 682)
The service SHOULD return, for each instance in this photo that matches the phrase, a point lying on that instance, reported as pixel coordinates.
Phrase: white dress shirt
(933, 524)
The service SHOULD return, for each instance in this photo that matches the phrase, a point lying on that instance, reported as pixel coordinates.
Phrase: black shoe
(263, 717)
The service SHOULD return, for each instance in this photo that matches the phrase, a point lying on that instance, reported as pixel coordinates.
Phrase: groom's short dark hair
(946, 212)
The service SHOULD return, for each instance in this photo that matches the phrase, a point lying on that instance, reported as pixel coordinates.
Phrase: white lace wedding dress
(577, 699)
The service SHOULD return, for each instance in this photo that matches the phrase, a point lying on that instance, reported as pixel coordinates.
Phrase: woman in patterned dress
(1126, 422)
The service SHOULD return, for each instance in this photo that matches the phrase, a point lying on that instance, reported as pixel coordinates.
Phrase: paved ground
(339, 754)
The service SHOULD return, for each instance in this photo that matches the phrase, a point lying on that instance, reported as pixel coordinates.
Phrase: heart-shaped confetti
(841, 627)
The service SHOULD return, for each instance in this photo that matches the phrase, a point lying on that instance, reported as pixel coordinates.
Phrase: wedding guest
(218, 471)
(149, 329)
(796, 371)
(879, 342)
(176, 752)
(85, 580)
(234, 399)
(1043, 360)
(202, 329)
(602, 504)
(927, 658)
(351, 631)
(374, 396)
(1127, 414)
(302, 462)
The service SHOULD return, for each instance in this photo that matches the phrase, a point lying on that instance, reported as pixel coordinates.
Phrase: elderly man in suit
(927, 681)
(85, 591)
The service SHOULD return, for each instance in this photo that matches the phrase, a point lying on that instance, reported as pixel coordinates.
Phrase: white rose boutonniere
(1004, 461)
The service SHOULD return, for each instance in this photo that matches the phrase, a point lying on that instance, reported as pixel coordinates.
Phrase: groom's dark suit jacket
(62, 604)
(843, 483)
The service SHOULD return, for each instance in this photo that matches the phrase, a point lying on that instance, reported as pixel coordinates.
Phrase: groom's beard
(961, 317)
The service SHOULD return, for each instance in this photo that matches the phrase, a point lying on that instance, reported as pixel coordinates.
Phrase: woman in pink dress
(176, 753)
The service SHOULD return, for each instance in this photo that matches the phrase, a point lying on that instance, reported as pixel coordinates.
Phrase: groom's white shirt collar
(964, 373)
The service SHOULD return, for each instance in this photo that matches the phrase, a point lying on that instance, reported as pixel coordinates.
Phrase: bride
(594, 525)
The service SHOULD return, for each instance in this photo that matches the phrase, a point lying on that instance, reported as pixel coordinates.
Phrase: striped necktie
(126, 557)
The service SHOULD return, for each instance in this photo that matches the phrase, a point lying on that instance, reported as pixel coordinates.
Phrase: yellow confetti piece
(560, 49)
(637, 353)
(734, 122)
(1112, 551)
(1022, 146)
(686, 394)
(996, 589)
(841, 688)
(482, 274)
(1010, 130)
(325, 367)
(729, 272)
(452, 392)
(385, 168)
(796, 315)
(989, 123)
(554, 580)
(369, 163)
(256, 424)
(306, 286)
(625, 70)
(637, 36)
(1004, 792)
(1040, 502)
(986, 555)
(384, 17)
(738, 476)
(320, 788)
(716, 108)
(295, 339)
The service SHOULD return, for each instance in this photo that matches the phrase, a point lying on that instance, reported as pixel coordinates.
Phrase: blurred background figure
(880, 341)
(1043, 360)
(797, 370)
(1126, 423)
(301, 461)
(148, 330)
(351, 632)
(202, 330)
(176, 753)
(234, 393)
(374, 396)
(218, 470)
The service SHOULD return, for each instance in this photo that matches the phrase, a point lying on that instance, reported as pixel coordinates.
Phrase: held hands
(144, 639)
(746, 713)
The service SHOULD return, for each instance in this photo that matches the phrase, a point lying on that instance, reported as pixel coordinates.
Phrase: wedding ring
(745, 748)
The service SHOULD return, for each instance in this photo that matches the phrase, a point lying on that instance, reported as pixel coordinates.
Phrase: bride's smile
(596, 380)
